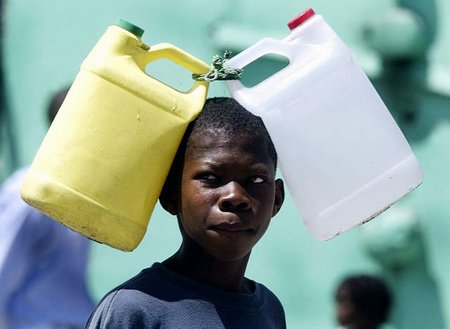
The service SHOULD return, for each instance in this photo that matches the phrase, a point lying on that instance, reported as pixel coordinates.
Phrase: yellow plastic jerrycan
(104, 160)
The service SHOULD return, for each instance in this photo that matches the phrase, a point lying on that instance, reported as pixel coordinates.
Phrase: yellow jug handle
(177, 55)
(182, 58)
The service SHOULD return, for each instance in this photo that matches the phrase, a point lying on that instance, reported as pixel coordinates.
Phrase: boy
(223, 190)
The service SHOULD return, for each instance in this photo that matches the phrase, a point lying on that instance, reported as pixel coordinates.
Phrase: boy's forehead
(211, 141)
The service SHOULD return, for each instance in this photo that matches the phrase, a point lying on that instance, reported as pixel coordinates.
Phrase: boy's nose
(235, 197)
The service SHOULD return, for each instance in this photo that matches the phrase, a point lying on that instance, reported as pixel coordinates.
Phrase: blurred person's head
(362, 302)
(55, 103)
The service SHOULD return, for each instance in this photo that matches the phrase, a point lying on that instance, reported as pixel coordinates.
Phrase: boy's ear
(279, 196)
(168, 199)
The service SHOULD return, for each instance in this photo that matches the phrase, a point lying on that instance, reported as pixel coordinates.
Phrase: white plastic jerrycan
(342, 155)
(104, 160)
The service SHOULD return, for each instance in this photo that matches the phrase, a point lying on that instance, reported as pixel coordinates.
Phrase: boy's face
(345, 310)
(228, 194)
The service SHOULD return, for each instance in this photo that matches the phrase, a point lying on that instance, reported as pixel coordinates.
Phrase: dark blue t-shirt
(160, 298)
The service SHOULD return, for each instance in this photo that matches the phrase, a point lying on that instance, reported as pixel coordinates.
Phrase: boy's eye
(208, 177)
(257, 180)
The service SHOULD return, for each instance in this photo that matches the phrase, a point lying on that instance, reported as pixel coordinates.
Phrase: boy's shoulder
(129, 305)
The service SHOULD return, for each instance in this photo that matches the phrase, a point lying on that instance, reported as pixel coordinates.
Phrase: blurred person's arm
(20, 229)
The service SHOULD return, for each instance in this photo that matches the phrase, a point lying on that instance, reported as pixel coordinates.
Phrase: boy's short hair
(224, 114)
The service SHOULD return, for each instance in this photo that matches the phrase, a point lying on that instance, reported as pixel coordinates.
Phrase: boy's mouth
(232, 227)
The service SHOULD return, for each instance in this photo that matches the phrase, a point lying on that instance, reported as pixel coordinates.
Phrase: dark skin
(226, 199)
(345, 310)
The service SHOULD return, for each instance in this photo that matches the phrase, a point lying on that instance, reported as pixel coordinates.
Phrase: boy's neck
(227, 275)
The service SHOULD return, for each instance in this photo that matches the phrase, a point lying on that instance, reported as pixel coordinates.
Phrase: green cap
(136, 30)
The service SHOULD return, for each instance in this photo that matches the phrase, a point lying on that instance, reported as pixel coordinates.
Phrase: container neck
(313, 31)
(300, 30)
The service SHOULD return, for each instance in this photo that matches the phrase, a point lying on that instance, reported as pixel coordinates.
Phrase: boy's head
(222, 115)
(363, 301)
(222, 184)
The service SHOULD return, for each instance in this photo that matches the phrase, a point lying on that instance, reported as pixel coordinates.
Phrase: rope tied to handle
(218, 70)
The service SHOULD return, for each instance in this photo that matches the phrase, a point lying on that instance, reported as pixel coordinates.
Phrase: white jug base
(367, 202)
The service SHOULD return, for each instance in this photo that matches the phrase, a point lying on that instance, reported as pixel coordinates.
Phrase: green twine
(218, 70)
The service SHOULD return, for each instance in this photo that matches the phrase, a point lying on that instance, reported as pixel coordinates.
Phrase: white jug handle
(263, 47)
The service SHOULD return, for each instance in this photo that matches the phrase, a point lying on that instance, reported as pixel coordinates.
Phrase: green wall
(46, 41)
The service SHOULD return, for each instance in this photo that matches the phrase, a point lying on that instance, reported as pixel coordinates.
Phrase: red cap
(301, 18)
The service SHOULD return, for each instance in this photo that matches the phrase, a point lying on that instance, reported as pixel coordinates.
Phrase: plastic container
(104, 160)
(342, 155)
